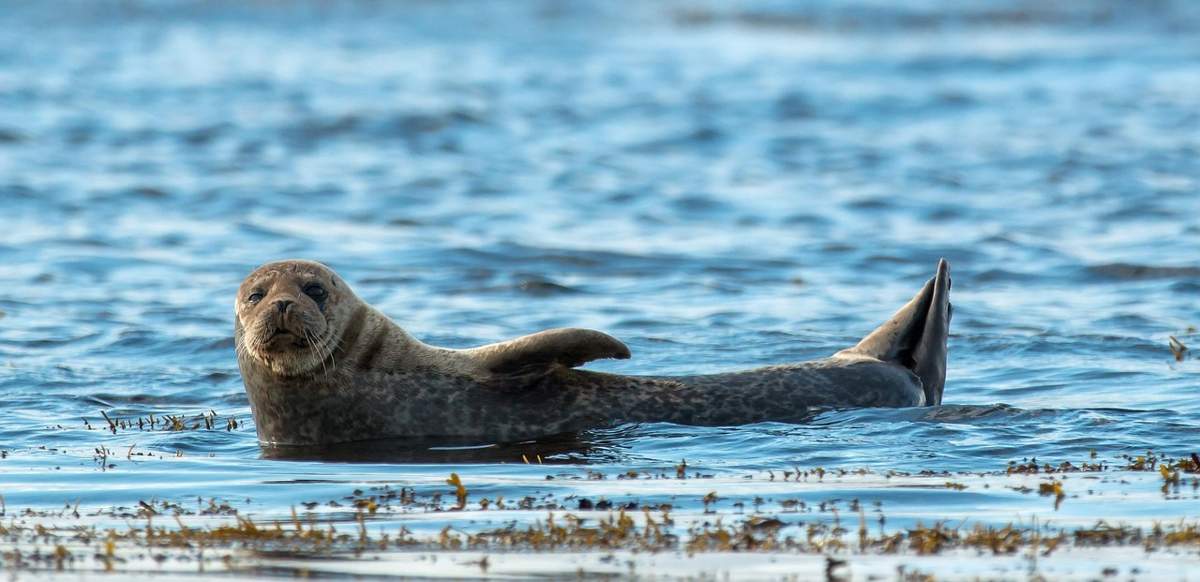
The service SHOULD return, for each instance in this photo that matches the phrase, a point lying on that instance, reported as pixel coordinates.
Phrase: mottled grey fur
(346, 372)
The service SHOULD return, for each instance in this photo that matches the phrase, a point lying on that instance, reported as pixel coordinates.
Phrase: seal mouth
(282, 339)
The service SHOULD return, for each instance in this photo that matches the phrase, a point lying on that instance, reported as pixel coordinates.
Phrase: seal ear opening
(915, 336)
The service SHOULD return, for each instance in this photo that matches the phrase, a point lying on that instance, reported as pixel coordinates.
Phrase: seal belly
(569, 400)
(785, 393)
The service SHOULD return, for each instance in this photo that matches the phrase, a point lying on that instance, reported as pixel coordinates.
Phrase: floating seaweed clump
(167, 422)
(231, 543)
(1155, 462)
(212, 532)
(614, 531)
(1032, 467)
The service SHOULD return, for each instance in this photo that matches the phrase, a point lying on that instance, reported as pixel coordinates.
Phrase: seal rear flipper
(569, 347)
(915, 336)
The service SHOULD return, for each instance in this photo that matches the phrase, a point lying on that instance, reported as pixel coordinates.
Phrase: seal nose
(283, 304)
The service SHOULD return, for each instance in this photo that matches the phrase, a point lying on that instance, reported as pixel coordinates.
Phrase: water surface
(718, 187)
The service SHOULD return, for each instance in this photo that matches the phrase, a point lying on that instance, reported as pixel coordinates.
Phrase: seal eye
(254, 297)
(315, 291)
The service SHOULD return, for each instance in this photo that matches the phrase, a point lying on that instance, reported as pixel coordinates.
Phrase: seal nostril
(283, 304)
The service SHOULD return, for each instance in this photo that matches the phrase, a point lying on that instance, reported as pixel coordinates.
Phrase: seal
(321, 366)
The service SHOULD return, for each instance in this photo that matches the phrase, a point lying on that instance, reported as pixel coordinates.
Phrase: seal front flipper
(915, 336)
(568, 347)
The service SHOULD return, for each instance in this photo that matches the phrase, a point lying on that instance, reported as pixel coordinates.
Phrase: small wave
(315, 130)
(1136, 272)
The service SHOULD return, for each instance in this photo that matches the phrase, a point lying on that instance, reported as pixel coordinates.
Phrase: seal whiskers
(312, 346)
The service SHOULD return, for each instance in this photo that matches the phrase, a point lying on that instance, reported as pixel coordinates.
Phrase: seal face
(320, 366)
(288, 315)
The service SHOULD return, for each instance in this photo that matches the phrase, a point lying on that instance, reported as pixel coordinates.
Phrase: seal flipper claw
(569, 347)
(915, 336)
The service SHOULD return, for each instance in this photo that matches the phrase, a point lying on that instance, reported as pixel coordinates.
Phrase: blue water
(720, 187)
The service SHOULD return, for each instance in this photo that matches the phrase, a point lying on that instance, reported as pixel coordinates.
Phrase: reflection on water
(558, 449)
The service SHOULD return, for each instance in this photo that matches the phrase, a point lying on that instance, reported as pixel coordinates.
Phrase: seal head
(289, 315)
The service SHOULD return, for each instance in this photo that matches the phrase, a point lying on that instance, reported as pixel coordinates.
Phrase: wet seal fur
(321, 366)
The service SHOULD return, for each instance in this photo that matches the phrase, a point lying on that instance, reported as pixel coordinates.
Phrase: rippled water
(718, 187)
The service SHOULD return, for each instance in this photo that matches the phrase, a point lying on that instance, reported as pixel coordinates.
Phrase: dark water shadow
(567, 448)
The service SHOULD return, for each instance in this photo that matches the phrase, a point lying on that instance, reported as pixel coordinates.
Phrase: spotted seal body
(321, 366)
